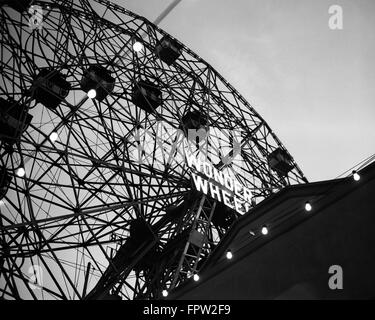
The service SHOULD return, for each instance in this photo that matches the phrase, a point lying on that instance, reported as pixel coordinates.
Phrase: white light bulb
(229, 255)
(264, 230)
(308, 206)
(356, 176)
(20, 172)
(165, 293)
(137, 46)
(91, 93)
(53, 136)
(196, 277)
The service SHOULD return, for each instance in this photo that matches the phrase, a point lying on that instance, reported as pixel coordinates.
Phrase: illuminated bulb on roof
(91, 93)
(137, 46)
(20, 172)
(356, 175)
(165, 293)
(53, 136)
(229, 255)
(264, 230)
(308, 206)
(196, 277)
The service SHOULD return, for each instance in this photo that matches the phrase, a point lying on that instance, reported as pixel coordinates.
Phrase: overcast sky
(313, 85)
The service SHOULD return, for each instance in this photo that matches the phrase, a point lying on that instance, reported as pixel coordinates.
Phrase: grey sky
(313, 85)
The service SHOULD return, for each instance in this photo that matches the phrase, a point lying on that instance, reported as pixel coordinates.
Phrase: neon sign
(219, 185)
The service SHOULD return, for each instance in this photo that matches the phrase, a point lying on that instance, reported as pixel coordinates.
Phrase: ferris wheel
(99, 110)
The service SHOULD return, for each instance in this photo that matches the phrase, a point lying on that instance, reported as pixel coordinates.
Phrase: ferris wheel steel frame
(99, 223)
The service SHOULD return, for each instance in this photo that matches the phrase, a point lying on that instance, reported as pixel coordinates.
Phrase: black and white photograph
(201, 151)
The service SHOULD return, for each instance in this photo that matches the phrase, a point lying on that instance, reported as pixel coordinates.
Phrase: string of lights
(259, 233)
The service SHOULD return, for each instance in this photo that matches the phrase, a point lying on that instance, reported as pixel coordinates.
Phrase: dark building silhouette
(292, 261)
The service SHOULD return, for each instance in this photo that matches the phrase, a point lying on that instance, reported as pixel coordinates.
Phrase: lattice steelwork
(106, 207)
